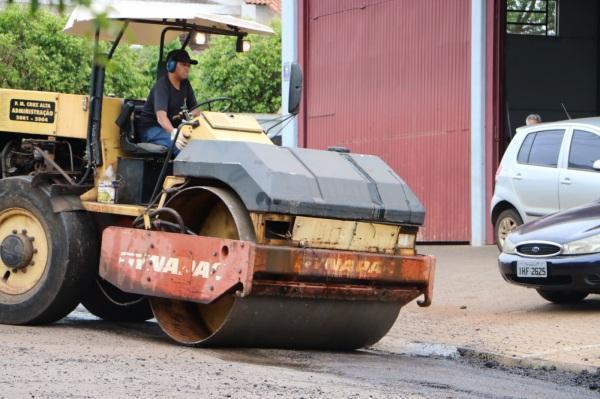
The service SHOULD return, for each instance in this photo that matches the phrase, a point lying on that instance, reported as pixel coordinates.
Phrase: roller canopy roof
(147, 19)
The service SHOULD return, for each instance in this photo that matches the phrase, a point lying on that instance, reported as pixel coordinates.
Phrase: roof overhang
(147, 19)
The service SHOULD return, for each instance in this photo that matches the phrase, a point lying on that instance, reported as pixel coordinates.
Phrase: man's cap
(180, 56)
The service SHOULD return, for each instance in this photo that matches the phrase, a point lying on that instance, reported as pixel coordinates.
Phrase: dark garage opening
(551, 56)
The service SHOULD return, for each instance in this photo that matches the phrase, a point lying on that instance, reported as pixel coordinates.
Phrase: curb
(533, 363)
(434, 350)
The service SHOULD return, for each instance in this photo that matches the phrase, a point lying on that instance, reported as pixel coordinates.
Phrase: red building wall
(391, 78)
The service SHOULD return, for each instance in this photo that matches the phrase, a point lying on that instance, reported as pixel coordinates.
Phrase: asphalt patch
(584, 378)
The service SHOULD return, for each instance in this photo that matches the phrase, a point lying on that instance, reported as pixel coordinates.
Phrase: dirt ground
(473, 307)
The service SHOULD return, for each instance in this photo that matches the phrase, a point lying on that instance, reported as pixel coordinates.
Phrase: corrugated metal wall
(391, 78)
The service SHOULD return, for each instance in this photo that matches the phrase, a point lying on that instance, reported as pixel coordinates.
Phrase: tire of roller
(72, 240)
(107, 302)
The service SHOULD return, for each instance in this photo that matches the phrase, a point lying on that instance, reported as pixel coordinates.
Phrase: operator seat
(130, 143)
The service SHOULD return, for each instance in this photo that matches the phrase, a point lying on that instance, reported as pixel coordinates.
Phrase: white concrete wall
(260, 14)
(478, 87)
(289, 54)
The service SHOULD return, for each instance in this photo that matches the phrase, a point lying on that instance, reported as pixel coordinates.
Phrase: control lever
(183, 115)
(163, 171)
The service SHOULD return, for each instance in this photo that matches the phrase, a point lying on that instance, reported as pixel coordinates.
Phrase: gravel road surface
(83, 357)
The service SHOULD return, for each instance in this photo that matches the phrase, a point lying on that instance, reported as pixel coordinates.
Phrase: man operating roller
(169, 94)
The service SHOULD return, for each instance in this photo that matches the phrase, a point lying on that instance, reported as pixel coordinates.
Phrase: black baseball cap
(180, 56)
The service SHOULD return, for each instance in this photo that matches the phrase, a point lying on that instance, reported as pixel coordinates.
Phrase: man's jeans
(158, 135)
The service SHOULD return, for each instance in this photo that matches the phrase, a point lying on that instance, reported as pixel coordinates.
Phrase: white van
(546, 168)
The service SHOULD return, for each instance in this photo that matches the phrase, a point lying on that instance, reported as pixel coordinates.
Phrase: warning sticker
(32, 111)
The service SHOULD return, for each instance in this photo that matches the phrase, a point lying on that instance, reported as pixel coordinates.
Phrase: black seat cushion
(152, 148)
(129, 141)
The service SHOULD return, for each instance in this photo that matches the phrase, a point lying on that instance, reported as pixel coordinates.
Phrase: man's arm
(163, 121)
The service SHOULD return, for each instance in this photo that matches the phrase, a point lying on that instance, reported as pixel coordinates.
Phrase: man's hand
(182, 139)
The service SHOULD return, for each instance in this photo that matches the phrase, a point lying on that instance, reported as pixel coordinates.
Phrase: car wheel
(507, 221)
(562, 297)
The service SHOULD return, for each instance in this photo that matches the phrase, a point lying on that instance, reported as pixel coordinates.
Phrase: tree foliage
(59, 4)
(36, 55)
(252, 79)
(532, 17)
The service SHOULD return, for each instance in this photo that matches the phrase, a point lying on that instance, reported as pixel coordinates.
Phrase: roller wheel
(43, 255)
(263, 321)
(563, 297)
(221, 214)
(110, 303)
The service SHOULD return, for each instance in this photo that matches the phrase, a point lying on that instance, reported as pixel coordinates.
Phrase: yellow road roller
(234, 241)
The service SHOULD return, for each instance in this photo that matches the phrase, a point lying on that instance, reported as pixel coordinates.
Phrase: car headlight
(508, 247)
(588, 245)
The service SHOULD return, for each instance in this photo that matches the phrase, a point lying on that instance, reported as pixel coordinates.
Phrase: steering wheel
(210, 101)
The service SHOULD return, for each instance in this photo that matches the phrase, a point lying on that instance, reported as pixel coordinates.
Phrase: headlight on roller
(406, 244)
(508, 247)
(588, 245)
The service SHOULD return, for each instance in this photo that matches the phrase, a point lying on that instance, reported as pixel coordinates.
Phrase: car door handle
(566, 180)
(518, 176)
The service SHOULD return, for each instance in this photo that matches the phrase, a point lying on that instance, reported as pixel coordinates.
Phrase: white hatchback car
(546, 168)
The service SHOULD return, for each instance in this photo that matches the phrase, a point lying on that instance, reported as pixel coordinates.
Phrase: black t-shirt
(164, 97)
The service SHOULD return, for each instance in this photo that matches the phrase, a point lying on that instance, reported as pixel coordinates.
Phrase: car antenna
(565, 109)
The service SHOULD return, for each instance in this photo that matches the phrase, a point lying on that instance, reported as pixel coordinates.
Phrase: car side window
(523, 156)
(546, 148)
(585, 150)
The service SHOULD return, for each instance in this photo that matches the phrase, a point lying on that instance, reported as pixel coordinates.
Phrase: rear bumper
(201, 269)
(568, 273)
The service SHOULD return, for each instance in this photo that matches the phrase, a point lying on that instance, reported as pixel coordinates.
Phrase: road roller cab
(235, 241)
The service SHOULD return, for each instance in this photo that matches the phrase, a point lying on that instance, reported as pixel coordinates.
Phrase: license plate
(532, 268)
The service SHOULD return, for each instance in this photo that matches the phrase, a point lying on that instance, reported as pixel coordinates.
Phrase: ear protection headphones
(171, 65)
